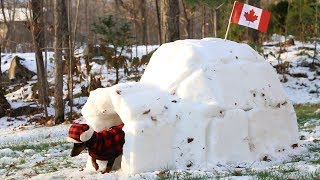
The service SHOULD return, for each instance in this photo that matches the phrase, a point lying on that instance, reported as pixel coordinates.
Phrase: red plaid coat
(102, 145)
(107, 143)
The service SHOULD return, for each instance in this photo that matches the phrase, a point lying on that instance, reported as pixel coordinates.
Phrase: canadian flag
(250, 16)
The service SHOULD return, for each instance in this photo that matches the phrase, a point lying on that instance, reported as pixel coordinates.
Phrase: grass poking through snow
(42, 157)
(306, 112)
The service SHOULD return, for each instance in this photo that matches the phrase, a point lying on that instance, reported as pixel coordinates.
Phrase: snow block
(190, 135)
(228, 138)
(144, 111)
(199, 102)
(271, 129)
(99, 112)
(144, 150)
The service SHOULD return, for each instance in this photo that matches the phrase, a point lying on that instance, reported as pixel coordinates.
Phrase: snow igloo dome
(199, 103)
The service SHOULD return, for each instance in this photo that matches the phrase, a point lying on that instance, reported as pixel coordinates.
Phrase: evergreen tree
(279, 16)
(115, 33)
(301, 17)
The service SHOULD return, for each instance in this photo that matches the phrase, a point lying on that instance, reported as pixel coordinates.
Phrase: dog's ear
(77, 149)
(86, 135)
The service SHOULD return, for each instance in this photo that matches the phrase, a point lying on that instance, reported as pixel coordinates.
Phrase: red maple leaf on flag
(251, 16)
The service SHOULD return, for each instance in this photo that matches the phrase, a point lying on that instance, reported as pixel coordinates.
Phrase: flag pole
(225, 37)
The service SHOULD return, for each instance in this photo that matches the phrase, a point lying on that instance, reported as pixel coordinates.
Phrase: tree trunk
(203, 27)
(169, 20)
(58, 70)
(117, 75)
(116, 64)
(216, 17)
(71, 62)
(38, 42)
(6, 37)
(144, 24)
(0, 68)
(65, 33)
(159, 22)
(215, 22)
(86, 17)
(4, 104)
(192, 26)
(188, 26)
(8, 26)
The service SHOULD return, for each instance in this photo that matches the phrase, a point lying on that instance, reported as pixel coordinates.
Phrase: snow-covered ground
(304, 89)
(31, 150)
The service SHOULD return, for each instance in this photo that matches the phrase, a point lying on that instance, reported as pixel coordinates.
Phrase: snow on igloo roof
(214, 70)
(176, 59)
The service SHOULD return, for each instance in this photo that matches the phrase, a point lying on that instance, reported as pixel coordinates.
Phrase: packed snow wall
(201, 102)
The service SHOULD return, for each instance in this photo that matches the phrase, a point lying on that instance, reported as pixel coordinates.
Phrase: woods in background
(155, 21)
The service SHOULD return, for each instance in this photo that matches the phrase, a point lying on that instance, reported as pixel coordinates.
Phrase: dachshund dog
(105, 145)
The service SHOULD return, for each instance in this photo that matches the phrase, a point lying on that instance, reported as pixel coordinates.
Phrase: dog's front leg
(108, 169)
(94, 163)
(109, 165)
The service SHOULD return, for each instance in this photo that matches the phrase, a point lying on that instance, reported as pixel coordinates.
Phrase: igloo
(199, 103)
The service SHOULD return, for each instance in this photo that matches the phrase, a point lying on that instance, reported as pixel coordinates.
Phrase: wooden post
(225, 37)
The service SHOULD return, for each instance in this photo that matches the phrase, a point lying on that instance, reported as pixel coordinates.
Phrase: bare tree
(3, 101)
(169, 20)
(38, 42)
(188, 13)
(72, 64)
(1, 82)
(0, 69)
(159, 21)
(134, 9)
(8, 18)
(203, 21)
(65, 32)
(58, 70)
(144, 23)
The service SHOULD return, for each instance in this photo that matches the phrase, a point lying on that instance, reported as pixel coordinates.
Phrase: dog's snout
(77, 149)
(72, 154)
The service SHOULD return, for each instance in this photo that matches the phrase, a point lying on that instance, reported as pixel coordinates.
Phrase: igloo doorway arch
(200, 102)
